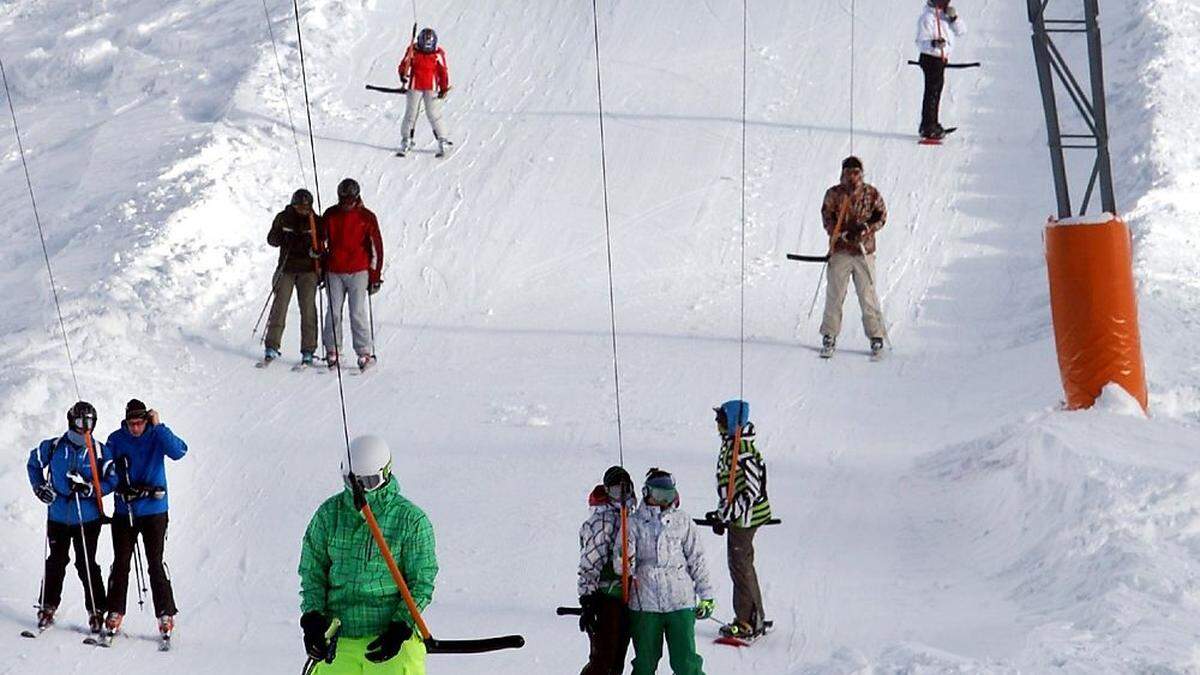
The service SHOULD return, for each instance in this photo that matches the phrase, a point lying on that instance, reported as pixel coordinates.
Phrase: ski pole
(87, 561)
(45, 543)
(139, 576)
(274, 282)
(371, 316)
(833, 238)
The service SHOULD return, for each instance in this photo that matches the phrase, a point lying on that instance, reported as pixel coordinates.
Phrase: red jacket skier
(424, 71)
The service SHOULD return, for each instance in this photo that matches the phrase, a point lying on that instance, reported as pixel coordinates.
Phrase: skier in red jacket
(353, 268)
(423, 70)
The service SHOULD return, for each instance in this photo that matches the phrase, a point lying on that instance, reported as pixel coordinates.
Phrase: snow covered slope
(940, 514)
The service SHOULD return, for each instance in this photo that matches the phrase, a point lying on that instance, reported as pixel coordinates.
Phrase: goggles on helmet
(371, 481)
(85, 422)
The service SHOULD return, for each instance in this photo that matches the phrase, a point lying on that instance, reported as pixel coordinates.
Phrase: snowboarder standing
(424, 71)
(936, 29)
(343, 575)
(294, 233)
(60, 472)
(138, 450)
(742, 514)
(853, 211)
(353, 268)
(670, 574)
(605, 617)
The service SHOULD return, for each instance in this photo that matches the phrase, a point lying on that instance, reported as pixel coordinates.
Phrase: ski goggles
(84, 422)
(661, 495)
(371, 481)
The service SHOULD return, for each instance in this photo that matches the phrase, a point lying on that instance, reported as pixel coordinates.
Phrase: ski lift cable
(283, 92)
(62, 325)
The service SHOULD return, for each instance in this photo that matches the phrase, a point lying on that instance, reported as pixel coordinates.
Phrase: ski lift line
(852, 69)
(742, 278)
(612, 305)
(37, 218)
(312, 142)
(283, 92)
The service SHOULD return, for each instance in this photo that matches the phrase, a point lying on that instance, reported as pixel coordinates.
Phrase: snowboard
(731, 641)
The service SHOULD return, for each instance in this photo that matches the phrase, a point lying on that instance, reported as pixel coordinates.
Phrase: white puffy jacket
(928, 30)
(667, 559)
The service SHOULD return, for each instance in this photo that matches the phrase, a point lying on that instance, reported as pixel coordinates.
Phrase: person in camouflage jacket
(742, 515)
(605, 617)
(852, 212)
(343, 574)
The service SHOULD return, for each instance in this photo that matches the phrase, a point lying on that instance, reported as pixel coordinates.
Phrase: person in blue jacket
(60, 472)
(138, 450)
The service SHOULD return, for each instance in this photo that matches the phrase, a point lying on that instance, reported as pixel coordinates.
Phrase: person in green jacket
(344, 576)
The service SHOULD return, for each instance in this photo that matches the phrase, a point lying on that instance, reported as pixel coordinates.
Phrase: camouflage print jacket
(866, 216)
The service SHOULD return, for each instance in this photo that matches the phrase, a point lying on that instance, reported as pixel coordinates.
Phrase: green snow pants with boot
(679, 628)
(351, 659)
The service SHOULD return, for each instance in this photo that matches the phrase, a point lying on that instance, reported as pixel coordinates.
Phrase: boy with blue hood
(139, 450)
(60, 472)
(741, 512)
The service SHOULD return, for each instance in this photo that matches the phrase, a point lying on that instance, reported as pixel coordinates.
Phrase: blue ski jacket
(139, 460)
(53, 459)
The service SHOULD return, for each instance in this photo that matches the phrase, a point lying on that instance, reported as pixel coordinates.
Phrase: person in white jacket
(601, 595)
(670, 577)
(937, 29)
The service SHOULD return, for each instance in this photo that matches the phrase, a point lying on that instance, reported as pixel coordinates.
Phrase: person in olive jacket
(294, 233)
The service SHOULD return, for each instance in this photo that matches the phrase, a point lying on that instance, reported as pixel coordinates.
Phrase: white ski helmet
(371, 460)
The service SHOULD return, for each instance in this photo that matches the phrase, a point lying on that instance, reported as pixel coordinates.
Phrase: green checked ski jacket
(343, 574)
(750, 507)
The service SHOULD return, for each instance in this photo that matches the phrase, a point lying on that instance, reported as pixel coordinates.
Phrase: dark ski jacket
(53, 459)
(139, 461)
(866, 216)
(291, 233)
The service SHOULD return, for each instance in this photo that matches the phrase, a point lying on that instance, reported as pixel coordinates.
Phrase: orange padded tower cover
(1092, 299)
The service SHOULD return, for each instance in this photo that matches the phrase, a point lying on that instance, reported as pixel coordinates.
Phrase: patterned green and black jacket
(343, 574)
(750, 506)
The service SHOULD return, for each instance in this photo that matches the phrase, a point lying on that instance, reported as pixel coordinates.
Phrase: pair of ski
(301, 367)
(404, 149)
(104, 640)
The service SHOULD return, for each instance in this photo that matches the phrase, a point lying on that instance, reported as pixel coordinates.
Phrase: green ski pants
(679, 628)
(351, 659)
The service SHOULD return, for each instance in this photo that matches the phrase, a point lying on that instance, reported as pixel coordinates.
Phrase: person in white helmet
(342, 575)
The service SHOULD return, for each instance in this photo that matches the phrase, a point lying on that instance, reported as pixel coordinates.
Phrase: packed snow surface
(941, 513)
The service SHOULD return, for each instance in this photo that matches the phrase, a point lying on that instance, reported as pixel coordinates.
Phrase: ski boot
(331, 360)
(45, 618)
(166, 626)
(828, 344)
(112, 624)
(365, 361)
(404, 147)
(443, 145)
(306, 359)
(876, 349)
(268, 356)
(738, 629)
(96, 623)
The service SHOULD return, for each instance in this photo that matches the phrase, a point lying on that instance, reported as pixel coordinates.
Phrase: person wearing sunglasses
(343, 575)
(853, 212)
(139, 450)
(605, 618)
(671, 588)
(60, 472)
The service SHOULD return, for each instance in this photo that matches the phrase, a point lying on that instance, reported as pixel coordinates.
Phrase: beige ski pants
(843, 266)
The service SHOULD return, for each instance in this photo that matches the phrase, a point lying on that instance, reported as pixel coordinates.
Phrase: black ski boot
(828, 345)
(876, 349)
(45, 617)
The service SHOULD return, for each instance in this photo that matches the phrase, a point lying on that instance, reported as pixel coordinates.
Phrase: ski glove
(705, 609)
(318, 648)
(387, 645)
(717, 522)
(79, 486)
(938, 43)
(45, 492)
(590, 604)
(374, 288)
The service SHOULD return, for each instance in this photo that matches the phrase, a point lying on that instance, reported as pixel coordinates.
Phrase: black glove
(45, 492)
(938, 43)
(718, 526)
(79, 486)
(590, 604)
(374, 288)
(314, 625)
(134, 492)
(388, 644)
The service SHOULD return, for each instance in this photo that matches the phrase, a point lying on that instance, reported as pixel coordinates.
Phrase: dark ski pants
(609, 639)
(747, 596)
(153, 530)
(62, 538)
(679, 629)
(935, 79)
(305, 284)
